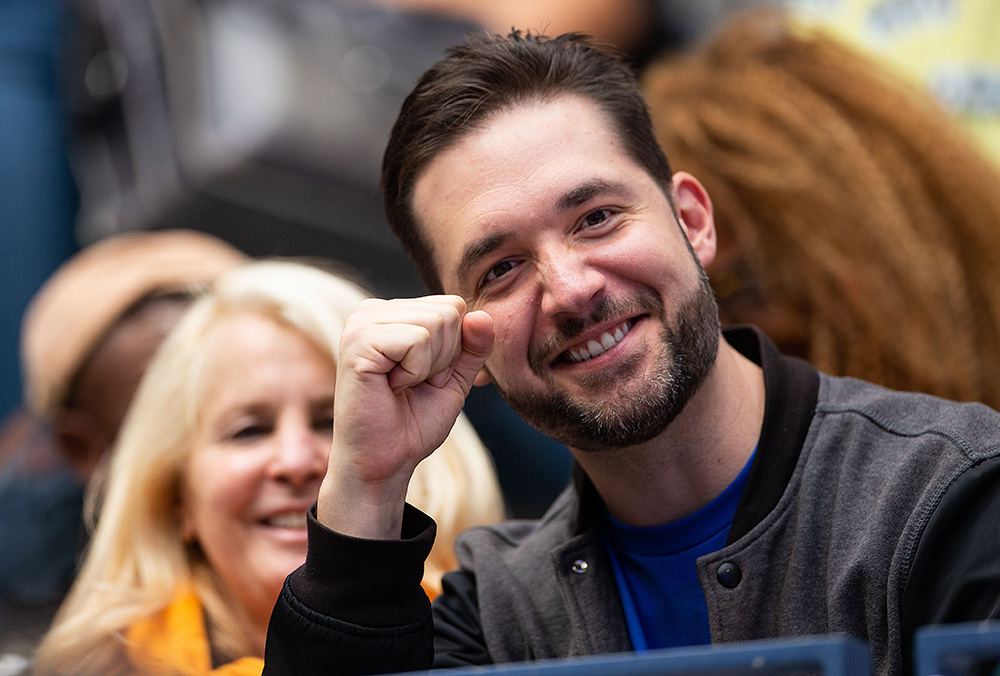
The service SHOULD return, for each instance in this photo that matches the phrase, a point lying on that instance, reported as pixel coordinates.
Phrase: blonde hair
(137, 558)
(859, 216)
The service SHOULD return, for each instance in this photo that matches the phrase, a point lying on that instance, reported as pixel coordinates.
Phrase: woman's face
(259, 453)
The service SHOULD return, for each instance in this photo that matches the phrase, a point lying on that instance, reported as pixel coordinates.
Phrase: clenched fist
(404, 369)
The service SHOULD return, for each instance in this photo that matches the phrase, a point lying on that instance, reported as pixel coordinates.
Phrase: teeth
(289, 520)
(608, 340)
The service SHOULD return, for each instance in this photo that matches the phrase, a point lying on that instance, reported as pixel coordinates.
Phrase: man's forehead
(535, 155)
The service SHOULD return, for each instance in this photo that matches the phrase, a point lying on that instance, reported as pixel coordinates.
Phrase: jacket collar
(791, 389)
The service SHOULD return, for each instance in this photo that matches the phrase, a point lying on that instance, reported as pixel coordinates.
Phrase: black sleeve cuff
(371, 583)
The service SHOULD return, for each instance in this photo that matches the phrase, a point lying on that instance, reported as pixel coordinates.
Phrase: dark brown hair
(489, 74)
(851, 210)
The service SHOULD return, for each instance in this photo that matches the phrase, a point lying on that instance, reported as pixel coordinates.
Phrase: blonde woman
(202, 514)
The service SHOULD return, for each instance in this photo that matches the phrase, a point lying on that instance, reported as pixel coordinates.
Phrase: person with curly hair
(858, 223)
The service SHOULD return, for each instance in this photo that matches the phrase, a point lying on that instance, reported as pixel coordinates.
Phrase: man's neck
(695, 458)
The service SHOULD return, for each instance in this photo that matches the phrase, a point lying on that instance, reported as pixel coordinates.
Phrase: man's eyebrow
(587, 191)
(478, 250)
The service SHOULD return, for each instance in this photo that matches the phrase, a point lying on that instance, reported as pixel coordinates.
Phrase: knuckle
(422, 336)
(453, 315)
(370, 304)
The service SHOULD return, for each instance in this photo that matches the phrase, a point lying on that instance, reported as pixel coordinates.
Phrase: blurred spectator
(87, 337)
(203, 510)
(858, 225)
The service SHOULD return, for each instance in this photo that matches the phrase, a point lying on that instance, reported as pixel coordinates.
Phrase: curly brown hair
(857, 222)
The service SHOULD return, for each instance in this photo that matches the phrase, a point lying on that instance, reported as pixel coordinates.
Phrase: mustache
(569, 329)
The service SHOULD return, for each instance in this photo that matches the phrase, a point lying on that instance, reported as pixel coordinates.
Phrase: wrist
(370, 510)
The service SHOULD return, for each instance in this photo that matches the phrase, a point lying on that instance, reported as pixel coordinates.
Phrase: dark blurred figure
(87, 337)
(858, 225)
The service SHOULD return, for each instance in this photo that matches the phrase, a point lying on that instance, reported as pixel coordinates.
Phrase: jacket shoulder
(971, 428)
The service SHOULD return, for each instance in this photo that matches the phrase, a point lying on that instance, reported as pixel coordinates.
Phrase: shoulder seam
(972, 452)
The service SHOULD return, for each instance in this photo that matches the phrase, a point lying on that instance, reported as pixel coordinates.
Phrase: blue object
(831, 655)
(954, 649)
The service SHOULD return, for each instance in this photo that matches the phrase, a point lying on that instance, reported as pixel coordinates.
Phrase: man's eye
(596, 217)
(499, 270)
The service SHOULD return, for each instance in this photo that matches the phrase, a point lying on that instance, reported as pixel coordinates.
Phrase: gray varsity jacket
(867, 512)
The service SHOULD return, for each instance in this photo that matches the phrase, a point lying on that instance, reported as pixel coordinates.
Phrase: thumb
(478, 335)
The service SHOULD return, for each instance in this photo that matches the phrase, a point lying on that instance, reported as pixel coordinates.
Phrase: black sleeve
(355, 606)
(458, 636)
(955, 575)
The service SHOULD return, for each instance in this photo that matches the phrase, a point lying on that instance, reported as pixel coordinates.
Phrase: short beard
(636, 411)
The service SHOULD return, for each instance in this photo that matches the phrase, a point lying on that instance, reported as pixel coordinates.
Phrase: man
(724, 492)
(87, 337)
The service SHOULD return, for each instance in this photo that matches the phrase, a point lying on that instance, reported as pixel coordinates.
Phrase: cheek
(513, 326)
(666, 266)
(648, 257)
(220, 488)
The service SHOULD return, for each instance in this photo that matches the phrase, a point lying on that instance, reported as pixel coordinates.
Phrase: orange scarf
(174, 643)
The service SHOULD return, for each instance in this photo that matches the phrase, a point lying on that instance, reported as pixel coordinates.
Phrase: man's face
(605, 323)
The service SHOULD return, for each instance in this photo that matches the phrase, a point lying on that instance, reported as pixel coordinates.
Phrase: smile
(596, 347)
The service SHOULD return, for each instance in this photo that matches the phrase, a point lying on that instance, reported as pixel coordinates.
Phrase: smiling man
(724, 492)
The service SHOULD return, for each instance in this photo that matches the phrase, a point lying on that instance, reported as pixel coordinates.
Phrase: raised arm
(404, 370)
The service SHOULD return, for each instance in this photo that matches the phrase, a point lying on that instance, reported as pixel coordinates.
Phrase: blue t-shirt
(655, 570)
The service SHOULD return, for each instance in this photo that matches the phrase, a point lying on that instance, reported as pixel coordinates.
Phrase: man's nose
(570, 284)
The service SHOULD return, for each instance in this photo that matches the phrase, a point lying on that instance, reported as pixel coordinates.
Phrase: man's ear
(694, 209)
(81, 440)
